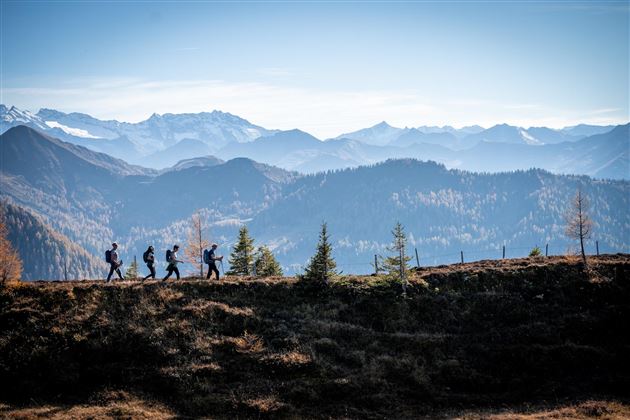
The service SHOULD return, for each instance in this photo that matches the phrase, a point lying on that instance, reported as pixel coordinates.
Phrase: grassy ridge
(480, 334)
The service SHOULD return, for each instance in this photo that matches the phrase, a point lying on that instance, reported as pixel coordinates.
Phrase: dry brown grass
(603, 410)
(290, 358)
(248, 343)
(482, 334)
(122, 407)
(200, 307)
(265, 405)
(134, 408)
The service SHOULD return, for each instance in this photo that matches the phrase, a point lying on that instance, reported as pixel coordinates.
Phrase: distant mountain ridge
(88, 198)
(163, 140)
(138, 142)
(603, 155)
(380, 134)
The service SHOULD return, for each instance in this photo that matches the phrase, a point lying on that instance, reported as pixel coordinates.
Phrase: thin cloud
(324, 113)
(275, 72)
(605, 111)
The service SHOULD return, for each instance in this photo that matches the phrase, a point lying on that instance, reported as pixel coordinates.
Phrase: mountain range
(93, 199)
(163, 140)
(139, 142)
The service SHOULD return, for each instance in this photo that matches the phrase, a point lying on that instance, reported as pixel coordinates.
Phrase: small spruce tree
(242, 258)
(322, 266)
(266, 264)
(397, 265)
(535, 252)
(132, 271)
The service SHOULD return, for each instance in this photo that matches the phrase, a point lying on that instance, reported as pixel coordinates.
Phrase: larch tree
(266, 264)
(242, 257)
(579, 224)
(196, 243)
(397, 265)
(10, 262)
(322, 266)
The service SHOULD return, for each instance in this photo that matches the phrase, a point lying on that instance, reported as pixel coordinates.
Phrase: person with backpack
(210, 258)
(149, 259)
(111, 257)
(171, 259)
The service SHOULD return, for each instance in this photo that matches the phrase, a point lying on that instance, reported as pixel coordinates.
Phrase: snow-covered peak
(16, 114)
(379, 134)
(47, 114)
(10, 117)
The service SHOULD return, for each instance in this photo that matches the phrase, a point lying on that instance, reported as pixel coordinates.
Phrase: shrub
(535, 252)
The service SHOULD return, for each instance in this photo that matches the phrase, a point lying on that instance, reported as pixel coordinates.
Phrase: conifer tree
(132, 271)
(242, 258)
(397, 265)
(322, 265)
(266, 264)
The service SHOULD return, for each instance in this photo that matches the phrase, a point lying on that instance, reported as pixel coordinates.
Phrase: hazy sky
(324, 67)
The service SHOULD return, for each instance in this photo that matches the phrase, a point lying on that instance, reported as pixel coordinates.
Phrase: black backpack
(168, 255)
(145, 256)
(108, 256)
(206, 256)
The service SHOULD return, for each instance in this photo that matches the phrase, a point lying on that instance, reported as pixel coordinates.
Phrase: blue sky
(324, 67)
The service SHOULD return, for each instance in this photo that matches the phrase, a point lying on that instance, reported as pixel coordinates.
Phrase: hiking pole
(222, 272)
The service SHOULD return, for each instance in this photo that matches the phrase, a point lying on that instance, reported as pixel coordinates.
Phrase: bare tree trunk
(581, 223)
(582, 248)
(403, 280)
(200, 239)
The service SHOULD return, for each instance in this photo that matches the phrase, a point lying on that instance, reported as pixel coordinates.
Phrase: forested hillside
(45, 253)
(444, 211)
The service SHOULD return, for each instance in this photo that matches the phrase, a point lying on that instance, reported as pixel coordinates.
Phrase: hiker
(149, 259)
(171, 259)
(210, 258)
(111, 256)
